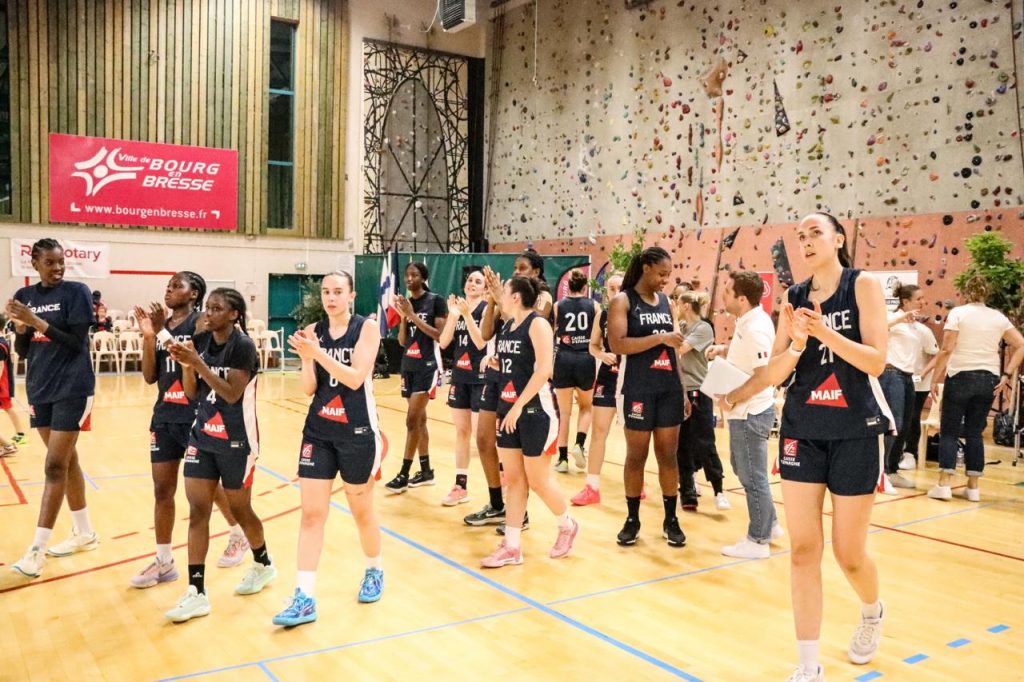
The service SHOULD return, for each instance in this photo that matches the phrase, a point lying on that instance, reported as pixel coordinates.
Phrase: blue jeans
(898, 389)
(966, 399)
(748, 453)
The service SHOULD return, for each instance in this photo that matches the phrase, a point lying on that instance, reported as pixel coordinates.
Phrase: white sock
(462, 472)
(565, 521)
(594, 481)
(236, 531)
(512, 536)
(163, 554)
(81, 521)
(306, 581)
(871, 610)
(42, 537)
(374, 562)
(808, 649)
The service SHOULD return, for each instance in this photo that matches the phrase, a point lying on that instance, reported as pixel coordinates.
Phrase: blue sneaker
(373, 585)
(302, 610)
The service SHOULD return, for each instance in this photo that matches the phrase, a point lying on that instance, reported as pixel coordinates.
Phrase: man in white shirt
(750, 411)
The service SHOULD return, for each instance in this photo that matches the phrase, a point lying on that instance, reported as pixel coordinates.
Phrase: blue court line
(348, 645)
(942, 516)
(916, 658)
(995, 629)
(957, 643)
(868, 676)
(89, 479)
(267, 672)
(667, 667)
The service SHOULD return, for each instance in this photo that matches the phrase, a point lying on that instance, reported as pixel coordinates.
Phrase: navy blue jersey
(421, 352)
(6, 369)
(517, 362)
(829, 398)
(653, 370)
(574, 324)
(227, 428)
(466, 368)
(338, 411)
(604, 372)
(172, 405)
(55, 371)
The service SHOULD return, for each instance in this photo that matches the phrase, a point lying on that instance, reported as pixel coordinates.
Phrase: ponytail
(652, 255)
(844, 251)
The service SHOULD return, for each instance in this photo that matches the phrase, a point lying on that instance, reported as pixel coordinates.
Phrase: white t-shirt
(977, 345)
(904, 345)
(751, 347)
(929, 347)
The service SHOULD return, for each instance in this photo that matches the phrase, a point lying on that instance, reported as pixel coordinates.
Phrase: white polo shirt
(928, 348)
(980, 329)
(904, 345)
(751, 348)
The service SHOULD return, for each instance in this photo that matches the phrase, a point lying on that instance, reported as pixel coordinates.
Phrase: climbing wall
(690, 114)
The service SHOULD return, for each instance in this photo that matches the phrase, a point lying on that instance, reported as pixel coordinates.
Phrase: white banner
(82, 260)
(889, 279)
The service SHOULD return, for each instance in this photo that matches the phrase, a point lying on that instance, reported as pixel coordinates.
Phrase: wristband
(164, 337)
(796, 352)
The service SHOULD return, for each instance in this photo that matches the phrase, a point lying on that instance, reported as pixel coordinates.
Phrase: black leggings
(697, 444)
(914, 423)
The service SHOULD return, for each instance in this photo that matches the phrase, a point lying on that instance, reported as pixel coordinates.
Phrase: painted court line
(868, 676)
(14, 484)
(916, 658)
(996, 629)
(957, 643)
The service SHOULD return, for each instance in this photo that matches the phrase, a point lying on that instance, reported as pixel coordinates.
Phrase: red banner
(120, 182)
(768, 296)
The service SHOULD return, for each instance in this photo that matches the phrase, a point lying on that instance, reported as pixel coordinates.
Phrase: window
(5, 114)
(280, 109)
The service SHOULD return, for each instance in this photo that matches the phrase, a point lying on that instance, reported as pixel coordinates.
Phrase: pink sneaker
(503, 556)
(458, 495)
(563, 544)
(153, 574)
(234, 553)
(587, 496)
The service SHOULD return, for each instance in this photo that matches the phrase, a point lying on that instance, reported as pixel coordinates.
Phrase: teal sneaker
(256, 578)
(372, 586)
(302, 610)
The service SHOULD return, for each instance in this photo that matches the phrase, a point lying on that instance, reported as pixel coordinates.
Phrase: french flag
(387, 314)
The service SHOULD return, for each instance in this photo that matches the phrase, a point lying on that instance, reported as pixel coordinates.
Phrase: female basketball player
(574, 368)
(219, 372)
(423, 316)
(171, 423)
(650, 392)
(531, 264)
(51, 323)
(527, 421)
(833, 333)
(604, 396)
(463, 325)
(341, 435)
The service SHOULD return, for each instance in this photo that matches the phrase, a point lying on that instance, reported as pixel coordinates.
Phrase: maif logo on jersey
(508, 394)
(413, 351)
(464, 362)
(663, 361)
(334, 410)
(214, 427)
(829, 394)
(176, 394)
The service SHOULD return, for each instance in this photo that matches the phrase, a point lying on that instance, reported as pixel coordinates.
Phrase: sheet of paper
(722, 377)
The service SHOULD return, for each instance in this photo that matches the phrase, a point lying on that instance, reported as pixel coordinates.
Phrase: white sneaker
(908, 461)
(887, 487)
(802, 674)
(30, 565)
(75, 543)
(256, 578)
(722, 502)
(866, 637)
(973, 494)
(777, 531)
(900, 481)
(697, 487)
(747, 549)
(191, 605)
(562, 466)
(940, 492)
(578, 456)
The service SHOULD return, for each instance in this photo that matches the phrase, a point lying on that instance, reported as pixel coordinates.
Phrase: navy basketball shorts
(536, 431)
(574, 369)
(167, 442)
(605, 386)
(465, 396)
(846, 467)
(234, 470)
(422, 381)
(649, 411)
(489, 396)
(356, 457)
(71, 414)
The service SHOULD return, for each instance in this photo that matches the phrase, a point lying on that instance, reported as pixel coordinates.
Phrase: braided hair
(197, 284)
(422, 269)
(652, 255)
(44, 245)
(237, 302)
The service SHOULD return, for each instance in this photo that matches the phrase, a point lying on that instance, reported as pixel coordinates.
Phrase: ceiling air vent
(457, 15)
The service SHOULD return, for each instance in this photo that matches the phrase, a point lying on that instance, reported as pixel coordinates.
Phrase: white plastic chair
(255, 328)
(115, 314)
(104, 345)
(271, 341)
(929, 425)
(130, 347)
(122, 325)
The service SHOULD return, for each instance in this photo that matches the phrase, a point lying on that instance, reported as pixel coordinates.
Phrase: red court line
(14, 484)
(948, 542)
(125, 535)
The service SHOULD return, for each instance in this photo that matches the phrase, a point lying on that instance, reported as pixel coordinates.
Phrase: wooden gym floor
(951, 576)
